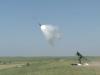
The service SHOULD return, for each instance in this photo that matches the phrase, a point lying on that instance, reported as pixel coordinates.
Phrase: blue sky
(78, 20)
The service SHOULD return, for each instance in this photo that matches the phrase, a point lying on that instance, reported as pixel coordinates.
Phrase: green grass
(47, 66)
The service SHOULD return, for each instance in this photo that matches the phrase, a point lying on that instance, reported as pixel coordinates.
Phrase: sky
(78, 21)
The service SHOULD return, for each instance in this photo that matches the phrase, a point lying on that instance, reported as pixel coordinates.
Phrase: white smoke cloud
(51, 33)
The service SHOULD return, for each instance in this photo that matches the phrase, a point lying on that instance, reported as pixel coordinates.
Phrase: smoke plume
(51, 33)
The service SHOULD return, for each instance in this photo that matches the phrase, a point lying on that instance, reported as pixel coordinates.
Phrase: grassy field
(47, 66)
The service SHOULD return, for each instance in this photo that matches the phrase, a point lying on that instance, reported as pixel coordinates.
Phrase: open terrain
(47, 66)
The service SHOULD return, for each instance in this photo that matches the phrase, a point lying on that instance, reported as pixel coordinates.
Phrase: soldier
(79, 57)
